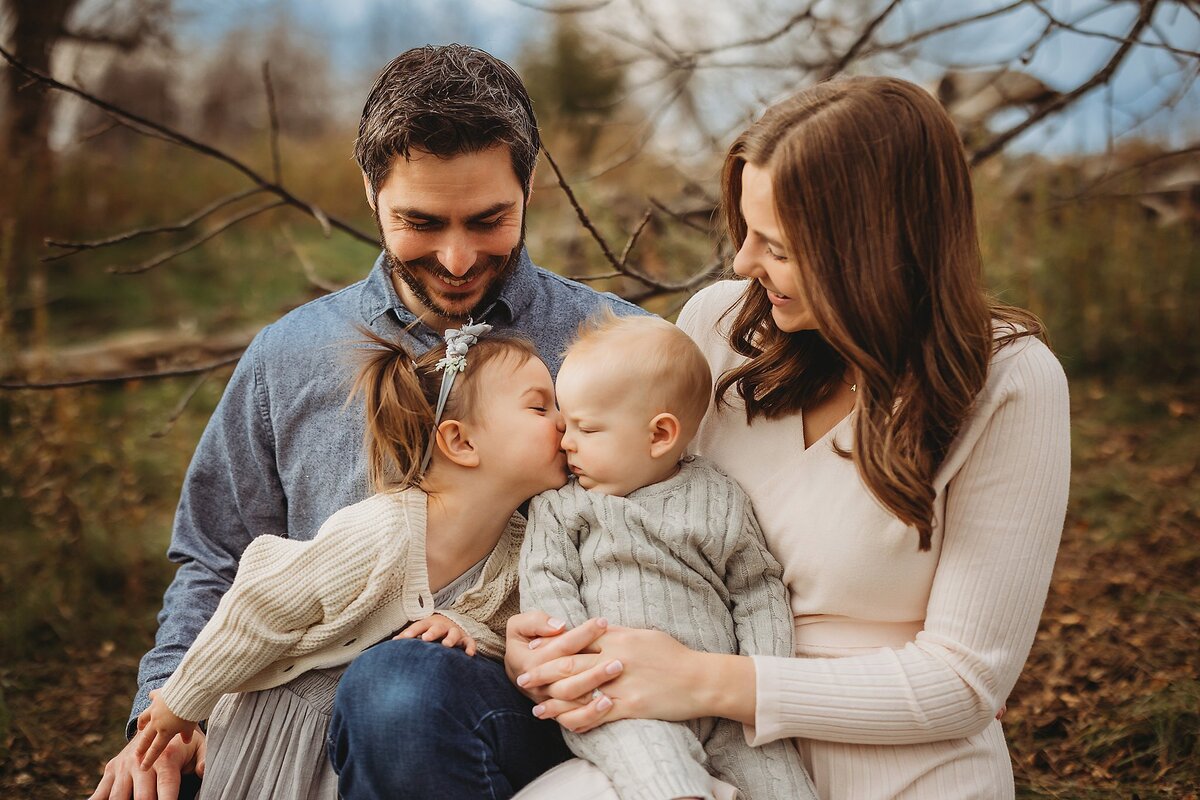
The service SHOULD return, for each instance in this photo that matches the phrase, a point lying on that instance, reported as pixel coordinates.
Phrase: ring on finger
(597, 694)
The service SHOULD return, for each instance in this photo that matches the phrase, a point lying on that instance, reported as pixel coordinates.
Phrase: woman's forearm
(725, 686)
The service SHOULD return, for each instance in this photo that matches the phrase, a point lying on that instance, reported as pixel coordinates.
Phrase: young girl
(456, 441)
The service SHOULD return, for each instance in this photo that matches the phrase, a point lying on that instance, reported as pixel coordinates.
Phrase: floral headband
(458, 340)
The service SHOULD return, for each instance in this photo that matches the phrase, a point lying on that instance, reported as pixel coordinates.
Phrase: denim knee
(405, 684)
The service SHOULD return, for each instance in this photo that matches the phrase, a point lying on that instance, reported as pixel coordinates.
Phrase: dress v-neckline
(829, 433)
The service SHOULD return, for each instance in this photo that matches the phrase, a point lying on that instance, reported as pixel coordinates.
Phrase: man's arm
(231, 494)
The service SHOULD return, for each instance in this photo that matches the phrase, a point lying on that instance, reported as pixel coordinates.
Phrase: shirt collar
(379, 293)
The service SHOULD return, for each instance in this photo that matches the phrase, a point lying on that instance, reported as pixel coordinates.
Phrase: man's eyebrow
(416, 213)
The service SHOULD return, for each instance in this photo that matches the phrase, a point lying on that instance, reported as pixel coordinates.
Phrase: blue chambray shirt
(283, 452)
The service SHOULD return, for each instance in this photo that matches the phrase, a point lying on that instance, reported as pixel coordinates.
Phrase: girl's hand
(158, 725)
(436, 628)
(645, 675)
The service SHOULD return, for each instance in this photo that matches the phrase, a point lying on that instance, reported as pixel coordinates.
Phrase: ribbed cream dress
(903, 656)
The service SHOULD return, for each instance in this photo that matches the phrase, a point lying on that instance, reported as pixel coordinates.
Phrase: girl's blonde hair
(399, 394)
(874, 198)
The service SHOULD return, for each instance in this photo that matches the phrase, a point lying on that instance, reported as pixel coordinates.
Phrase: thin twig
(1071, 26)
(684, 217)
(863, 38)
(310, 271)
(177, 412)
(273, 120)
(633, 237)
(163, 258)
(1063, 100)
(216, 205)
(580, 213)
(126, 377)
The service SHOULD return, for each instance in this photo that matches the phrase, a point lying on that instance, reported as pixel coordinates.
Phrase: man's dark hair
(446, 100)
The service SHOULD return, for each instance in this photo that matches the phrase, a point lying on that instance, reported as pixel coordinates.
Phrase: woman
(904, 441)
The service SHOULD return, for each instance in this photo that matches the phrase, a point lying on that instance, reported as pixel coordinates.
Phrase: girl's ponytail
(398, 416)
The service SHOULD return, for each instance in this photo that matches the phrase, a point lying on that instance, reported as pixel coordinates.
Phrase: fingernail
(538, 711)
(605, 704)
(555, 623)
(614, 667)
(602, 623)
(523, 679)
(534, 644)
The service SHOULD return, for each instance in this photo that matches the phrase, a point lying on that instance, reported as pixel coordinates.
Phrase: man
(447, 145)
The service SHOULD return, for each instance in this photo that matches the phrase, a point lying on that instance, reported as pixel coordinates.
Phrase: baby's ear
(664, 434)
(454, 442)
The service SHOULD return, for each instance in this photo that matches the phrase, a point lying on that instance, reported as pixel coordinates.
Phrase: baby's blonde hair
(661, 362)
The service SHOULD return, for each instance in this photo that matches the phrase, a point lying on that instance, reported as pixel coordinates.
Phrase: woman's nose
(745, 263)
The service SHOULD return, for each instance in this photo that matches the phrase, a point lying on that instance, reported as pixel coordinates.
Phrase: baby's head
(632, 391)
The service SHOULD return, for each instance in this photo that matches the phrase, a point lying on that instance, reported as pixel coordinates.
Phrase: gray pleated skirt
(270, 745)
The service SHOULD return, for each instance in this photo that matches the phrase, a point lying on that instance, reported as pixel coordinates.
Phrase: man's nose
(457, 254)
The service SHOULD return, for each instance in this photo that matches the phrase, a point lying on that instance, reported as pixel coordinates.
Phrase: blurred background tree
(1082, 120)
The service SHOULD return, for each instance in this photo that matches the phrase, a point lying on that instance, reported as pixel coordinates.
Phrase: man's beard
(499, 267)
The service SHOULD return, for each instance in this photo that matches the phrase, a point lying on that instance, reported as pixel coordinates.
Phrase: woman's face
(764, 257)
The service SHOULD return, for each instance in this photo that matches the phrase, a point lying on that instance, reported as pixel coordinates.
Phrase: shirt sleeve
(1003, 521)
(231, 494)
(551, 569)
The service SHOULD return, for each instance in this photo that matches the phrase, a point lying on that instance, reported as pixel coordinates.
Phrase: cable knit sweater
(685, 556)
(299, 606)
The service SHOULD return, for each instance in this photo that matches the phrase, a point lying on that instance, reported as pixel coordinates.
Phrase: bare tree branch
(1055, 22)
(273, 119)
(175, 137)
(1062, 101)
(126, 377)
(865, 36)
(184, 224)
(633, 237)
(163, 258)
(182, 405)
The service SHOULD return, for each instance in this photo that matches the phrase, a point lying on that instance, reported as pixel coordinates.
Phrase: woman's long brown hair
(400, 393)
(874, 199)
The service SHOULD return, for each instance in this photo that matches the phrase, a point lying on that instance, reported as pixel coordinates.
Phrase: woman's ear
(455, 443)
(664, 434)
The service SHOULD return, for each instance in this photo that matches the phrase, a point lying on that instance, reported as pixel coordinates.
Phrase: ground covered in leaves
(1108, 705)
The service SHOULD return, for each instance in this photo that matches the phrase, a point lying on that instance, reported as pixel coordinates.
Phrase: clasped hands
(597, 673)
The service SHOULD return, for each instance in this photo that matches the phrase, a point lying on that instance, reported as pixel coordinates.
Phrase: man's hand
(436, 628)
(158, 725)
(124, 777)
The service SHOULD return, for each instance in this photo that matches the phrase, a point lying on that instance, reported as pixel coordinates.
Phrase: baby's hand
(158, 726)
(435, 627)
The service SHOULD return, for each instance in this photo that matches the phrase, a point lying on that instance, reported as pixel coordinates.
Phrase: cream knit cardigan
(299, 606)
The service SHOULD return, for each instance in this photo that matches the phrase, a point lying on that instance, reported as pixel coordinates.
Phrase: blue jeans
(419, 719)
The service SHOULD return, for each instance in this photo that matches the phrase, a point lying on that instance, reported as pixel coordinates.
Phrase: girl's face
(520, 426)
(764, 257)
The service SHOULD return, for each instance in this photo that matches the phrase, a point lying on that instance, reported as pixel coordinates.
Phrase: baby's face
(608, 428)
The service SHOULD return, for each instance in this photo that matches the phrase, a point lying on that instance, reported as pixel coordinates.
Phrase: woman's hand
(157, 726)
(646, 675)
(534, 638)
(436, 628)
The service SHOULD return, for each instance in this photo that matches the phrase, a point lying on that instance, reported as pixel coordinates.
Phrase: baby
(651, 538)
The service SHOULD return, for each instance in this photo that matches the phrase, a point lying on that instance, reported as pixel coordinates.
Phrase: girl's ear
(664, 434)
(455, 443)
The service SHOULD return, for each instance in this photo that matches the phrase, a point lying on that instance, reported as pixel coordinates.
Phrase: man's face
(452, 230)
